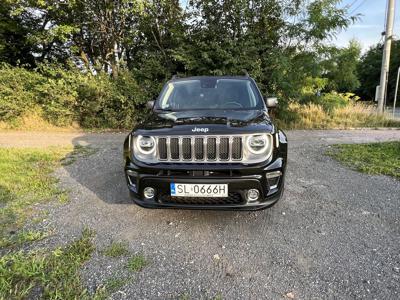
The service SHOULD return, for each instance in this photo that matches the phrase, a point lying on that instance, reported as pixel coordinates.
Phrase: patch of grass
(22, 237)
(78, 152)
(46, 275)
(114, 284)
(116, 249)
(184, 296)
(314, 116)
(374, 158)
(137, 262)
(33, 120)
(25, 179)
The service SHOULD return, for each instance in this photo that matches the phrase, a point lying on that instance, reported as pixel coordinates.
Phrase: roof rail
(245, 73)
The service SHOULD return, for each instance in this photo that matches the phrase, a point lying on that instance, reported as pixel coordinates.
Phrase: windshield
(210, 93)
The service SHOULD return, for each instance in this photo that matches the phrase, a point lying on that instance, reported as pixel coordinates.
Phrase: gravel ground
(334, 234)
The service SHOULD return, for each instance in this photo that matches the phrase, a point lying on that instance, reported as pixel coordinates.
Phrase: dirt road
(335, 233)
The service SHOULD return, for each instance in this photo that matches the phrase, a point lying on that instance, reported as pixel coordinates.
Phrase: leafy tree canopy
(369, 71)
(280, 43)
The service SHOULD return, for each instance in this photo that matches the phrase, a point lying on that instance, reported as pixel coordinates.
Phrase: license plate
(199, 190)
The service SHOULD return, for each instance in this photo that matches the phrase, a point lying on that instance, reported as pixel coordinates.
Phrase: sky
(367, 30)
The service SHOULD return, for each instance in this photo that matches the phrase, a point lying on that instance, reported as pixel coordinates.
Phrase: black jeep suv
(208, 144)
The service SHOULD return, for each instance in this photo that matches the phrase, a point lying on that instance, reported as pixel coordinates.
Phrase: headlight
(145, 144)
(258, 148)
(257, 143)
(144, 148)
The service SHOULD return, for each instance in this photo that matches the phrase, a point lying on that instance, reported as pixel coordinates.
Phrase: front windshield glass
(210, 93)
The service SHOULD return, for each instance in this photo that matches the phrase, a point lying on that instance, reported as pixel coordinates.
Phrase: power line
(358, 6)
(352, 3)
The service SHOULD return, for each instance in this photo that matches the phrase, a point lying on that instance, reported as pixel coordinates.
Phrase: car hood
(216, 121)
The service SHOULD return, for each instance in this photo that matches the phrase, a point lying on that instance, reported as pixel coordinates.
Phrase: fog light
(273, 179)
(252, 195)
(149, 192)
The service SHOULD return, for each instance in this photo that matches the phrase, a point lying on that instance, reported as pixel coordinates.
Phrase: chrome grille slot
(200, 148)
(162, 149)
(211, 148)
(237, 148)
(174, 146)
(224, 148)
(186, 148)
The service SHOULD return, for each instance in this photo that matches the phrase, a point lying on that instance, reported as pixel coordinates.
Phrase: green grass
(78, 152)
(116, 249)
(137, 262)
(114, 284)
(49, 275)
(25, 179)
(374, 158)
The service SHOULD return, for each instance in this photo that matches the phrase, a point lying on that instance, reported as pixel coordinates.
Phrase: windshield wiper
(165, 109)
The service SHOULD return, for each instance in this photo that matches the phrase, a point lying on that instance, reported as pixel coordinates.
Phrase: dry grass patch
(34, 121)
(312, 116)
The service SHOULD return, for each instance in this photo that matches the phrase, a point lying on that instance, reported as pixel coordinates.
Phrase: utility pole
(386, 55)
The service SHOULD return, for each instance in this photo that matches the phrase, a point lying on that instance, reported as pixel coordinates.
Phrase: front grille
(233, 199)
(197, 149)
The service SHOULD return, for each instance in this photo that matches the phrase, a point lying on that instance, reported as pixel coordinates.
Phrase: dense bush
(17, 91)
(332, 100)
(65, 96)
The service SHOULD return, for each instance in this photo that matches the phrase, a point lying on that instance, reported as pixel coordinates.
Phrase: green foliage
(341, 68)
(375, 158)
(114, 284)
(116, 249)
(17, 91)
(311, 93)
(25, 179)
(46, 275)
(369, 70)
(142, 43)
(137, 262)
(330, 101)
(68, 95)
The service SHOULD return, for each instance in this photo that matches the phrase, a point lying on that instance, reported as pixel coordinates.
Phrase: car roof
(174, 79)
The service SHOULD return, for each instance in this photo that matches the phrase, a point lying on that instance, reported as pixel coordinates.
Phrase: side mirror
(272, 102)
(150, 104)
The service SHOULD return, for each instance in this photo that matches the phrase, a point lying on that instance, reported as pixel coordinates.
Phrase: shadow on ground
(102, 174)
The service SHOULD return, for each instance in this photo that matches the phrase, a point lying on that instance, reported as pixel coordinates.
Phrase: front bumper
(239, 180)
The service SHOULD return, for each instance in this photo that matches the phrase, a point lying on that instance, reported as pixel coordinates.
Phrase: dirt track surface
(334, 234)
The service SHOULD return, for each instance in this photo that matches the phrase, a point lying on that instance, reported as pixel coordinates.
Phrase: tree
(369, 70)
(278, 42)
(14, 44)
(30, 33)
(341, 68)
(102, 30)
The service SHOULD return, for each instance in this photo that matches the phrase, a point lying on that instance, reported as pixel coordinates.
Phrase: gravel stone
(335, 234)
